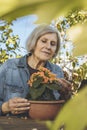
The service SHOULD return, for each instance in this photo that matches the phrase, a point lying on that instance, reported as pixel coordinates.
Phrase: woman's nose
(48, 45)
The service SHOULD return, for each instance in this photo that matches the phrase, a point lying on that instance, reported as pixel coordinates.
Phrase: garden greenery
(72, 116)
(75, 71)
(75, 68)
(9, 43)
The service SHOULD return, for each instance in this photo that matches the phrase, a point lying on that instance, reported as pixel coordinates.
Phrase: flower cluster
(44, 75)
(42, 84)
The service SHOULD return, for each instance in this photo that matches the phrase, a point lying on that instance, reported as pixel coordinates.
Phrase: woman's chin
(45, 58)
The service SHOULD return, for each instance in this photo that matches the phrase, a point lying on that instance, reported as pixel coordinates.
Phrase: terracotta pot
(45, 110)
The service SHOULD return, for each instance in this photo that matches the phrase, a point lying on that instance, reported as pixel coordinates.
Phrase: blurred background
(27, 14)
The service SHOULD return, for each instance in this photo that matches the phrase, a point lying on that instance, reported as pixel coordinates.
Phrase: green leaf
(2, 28)
(73, 115)
(36, 83)
(53, 86)
(35, 93)
(73, 64)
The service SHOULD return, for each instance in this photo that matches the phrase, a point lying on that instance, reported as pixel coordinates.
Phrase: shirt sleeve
(2, 81)
(58, 71)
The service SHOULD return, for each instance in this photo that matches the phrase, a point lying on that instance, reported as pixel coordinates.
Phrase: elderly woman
(43, 44)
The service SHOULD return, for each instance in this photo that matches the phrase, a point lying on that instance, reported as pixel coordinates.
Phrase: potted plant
(44, 105)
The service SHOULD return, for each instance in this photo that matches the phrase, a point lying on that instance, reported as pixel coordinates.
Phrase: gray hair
(37, 33)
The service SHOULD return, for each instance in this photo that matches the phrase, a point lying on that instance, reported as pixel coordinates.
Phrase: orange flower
(46, 79)
(46, 75)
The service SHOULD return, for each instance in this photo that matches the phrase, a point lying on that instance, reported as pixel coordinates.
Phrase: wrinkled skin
(16, 105)
(66, 89)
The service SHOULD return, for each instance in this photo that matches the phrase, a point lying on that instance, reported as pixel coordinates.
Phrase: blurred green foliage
(75, 70)
(73, 114)
(74, 17)
(12, 9)
(9, 43)
(46, 11)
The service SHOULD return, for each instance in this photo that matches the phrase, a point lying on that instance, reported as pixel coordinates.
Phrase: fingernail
(28, 107)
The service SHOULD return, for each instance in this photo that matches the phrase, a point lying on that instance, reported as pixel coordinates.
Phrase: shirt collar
(23, 61)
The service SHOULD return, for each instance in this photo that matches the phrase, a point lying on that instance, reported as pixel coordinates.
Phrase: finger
(60, 81)
(65, 81)
(13, 105)
(17, 112)
(68, 84)
(22, 105)
(21, 108)
(18, 99)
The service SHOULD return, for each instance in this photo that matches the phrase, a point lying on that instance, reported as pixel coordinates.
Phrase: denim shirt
(14, 74)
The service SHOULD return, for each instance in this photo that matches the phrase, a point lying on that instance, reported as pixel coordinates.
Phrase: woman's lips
(48, 53)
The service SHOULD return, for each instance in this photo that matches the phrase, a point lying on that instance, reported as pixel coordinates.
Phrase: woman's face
(46, 47)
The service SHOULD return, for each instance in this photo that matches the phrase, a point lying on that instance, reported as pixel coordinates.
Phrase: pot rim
(45, 102)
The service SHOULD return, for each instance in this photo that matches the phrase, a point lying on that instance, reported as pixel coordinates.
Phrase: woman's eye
(43, 41)
(53, 44)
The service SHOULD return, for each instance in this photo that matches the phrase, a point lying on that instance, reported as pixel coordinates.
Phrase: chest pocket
(13, 84)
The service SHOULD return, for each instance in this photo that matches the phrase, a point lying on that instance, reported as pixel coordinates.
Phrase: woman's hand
(66, 89)
(16, 105)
